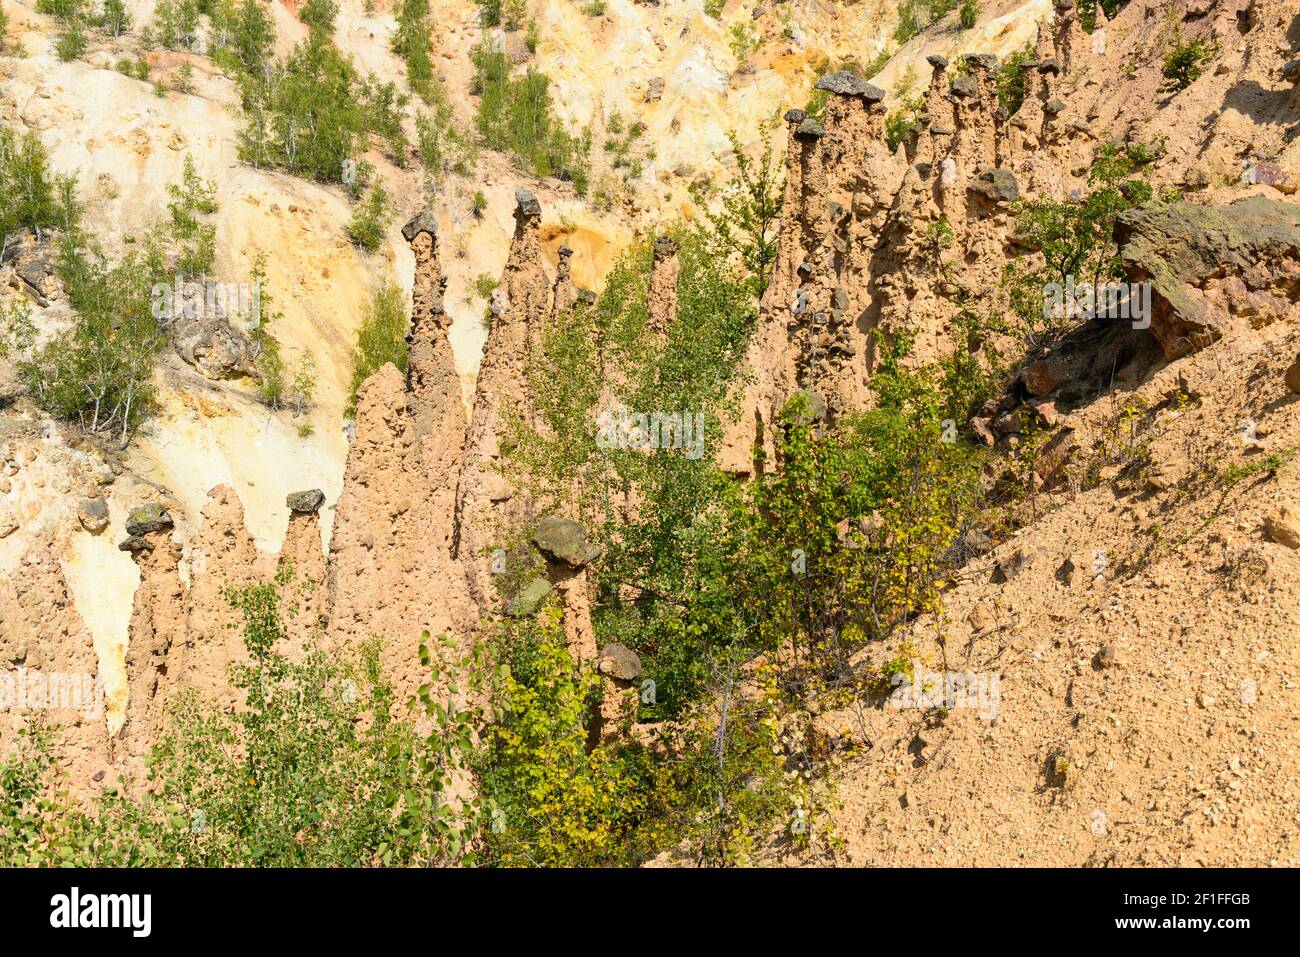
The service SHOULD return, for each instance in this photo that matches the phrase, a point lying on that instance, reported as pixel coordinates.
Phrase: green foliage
(99, 371)
(557, 802)
(445, 147)
(243, 38)
(1186, 61)
(744, 227)
(515, 115)
(411, 43)
(915, 15)
(514, 13)
(384, 108)
(903, 120)
(137, 69)
(969, 13)
(176, 24)
(1088, 11)
(484, 285)
(1074, 237)
(713, 8)
(319, 15)
(196, 240)
(31, 196)
(381, 339)
(745, 40)
(1011, 79)
(73, 15)
(489, 12)
(114, 18)
(70, 44)
(371, 218)
(312, 113)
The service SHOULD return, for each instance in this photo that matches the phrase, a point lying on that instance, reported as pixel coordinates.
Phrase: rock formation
(486, 504)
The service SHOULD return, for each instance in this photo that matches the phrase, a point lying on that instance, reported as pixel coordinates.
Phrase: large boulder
(1209, 264)
(214, 347)
(148, 518)
(848, 83)
(529, 599)
(619, 661)
(564, 540)
(996, 185)
(306, 503)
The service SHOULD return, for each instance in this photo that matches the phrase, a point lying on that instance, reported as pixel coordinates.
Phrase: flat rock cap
(985, 61)
(809, 130)
(422, 222)
(147, 518)
(963, 86)
(848, 83)
(619, 661)
(526, 203)
(307, 503)
(936, 61)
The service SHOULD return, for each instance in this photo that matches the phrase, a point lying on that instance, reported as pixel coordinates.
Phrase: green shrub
(381, 339)
(196, 240)
(915, 15)
(515, 115)
(1011, 79)
(411, 43)
(969, 13)
(558, 802)
(98, 372)
(114, 18)
(444, 146)
(306, 115)
(31, 196)
(903, 120)
(1185, 62)
(70, 44)
(484, 285)
(176, 24)
(243, 37)
(370, 219)
(750, 206)
(384, 108)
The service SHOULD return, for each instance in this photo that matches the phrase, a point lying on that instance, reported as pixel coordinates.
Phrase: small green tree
(381, 339)
(515, 114)
(411, 43)
(371, 218)
(196, 240)
(745, 225)
(114, 18)
(31, 195)
(969, 13)
(1186, 61)
(319, 15)
(176, 24)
